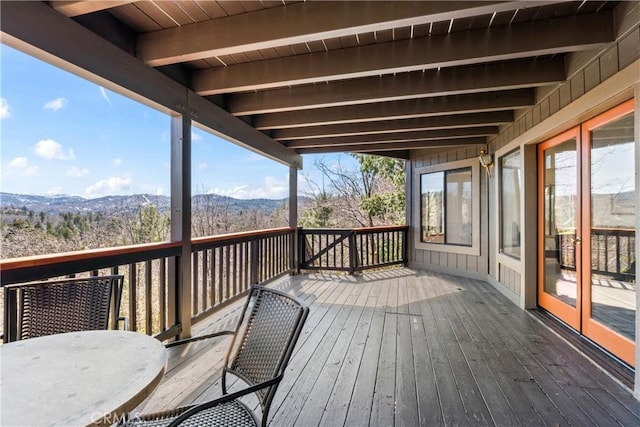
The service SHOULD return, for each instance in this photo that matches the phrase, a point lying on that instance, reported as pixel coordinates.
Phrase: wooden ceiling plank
(412, 145)
(392, 126)
(525, 40)
(80, 7)
(193, 9)
(448, 81)
(424, 135)
(42, 32)
(422, 107)
(135, 18)
(299, 23)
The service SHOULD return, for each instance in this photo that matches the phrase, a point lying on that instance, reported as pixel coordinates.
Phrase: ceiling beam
(412, 145)
(393, 126)
(448, 81)
(506, 42)
(411, 108)
(424, 135)
(37, 29)
(302, 23)
(83, 7)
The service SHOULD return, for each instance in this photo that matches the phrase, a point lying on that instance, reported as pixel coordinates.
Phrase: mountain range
(109, 204)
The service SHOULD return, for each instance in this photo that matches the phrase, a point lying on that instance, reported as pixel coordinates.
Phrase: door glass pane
(560, 198)
(458, 207)
(613, 258)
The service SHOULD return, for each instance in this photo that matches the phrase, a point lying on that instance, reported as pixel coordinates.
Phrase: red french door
(586, 229)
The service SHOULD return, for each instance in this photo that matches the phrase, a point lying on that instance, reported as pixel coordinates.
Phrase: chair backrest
(266, 335)
(67, 305)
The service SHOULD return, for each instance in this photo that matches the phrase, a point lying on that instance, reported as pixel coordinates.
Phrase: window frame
(500, 201)
(474, 248)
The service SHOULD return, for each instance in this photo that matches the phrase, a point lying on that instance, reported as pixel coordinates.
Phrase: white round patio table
(77, 378)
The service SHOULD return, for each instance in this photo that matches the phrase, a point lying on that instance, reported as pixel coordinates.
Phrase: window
(446, 207)
(510, 202)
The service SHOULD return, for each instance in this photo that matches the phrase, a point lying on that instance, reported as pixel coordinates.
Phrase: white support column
(181, 218)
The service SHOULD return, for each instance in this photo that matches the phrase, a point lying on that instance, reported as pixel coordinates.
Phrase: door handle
(576, 240)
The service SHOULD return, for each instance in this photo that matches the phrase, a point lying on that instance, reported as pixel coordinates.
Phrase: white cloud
(22, 164)
(108, 186)
(19, 163)
(50, 149)
(273, 188)
(56, 104)
(159, 191)
(117, 161)
(77, 172)
(195, 137)
(203, 166)
(105, 96)
(4, 109)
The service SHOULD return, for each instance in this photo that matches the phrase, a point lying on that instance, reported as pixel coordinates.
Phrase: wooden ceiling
(358, 76)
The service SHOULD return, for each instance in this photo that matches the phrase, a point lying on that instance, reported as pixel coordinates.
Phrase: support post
(408, 207)
(293, 218)
(180, 290)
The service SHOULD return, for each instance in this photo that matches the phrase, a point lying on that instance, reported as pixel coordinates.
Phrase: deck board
(403, 347)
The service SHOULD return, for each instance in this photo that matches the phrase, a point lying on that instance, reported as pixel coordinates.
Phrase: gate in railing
(352, 250)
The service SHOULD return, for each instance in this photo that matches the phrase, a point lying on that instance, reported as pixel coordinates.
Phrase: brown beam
(413, 145)
(302, 23)
(83, 7)
(392, 126)
(448, 81)
(440, 134)
(37, 29)
(506, 42)
(421, 107)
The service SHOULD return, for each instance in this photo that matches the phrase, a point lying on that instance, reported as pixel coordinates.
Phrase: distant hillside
(110, 204)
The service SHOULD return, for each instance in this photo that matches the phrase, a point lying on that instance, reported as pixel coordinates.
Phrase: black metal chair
(262, 344)
(68, 305)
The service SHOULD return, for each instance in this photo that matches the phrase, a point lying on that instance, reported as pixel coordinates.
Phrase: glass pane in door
(560, 204)
(613, 258)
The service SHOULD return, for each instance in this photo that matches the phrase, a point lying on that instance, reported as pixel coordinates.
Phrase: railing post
(255, 262)
(301, 248)
(10, 316)
(353, 252)
(405, 246)
(294, 239)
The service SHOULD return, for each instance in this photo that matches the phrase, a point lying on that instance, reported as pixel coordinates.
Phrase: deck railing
(612, 252)
(352, 250)
(222, 268)
(149, 271)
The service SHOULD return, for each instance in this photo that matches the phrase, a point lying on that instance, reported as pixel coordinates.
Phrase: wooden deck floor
(405, 347)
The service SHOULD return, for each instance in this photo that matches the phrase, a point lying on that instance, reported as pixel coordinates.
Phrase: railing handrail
(234, 237)
(356, 230)
(49, 259)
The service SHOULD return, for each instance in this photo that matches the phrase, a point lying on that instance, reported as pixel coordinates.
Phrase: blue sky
(61, 134)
